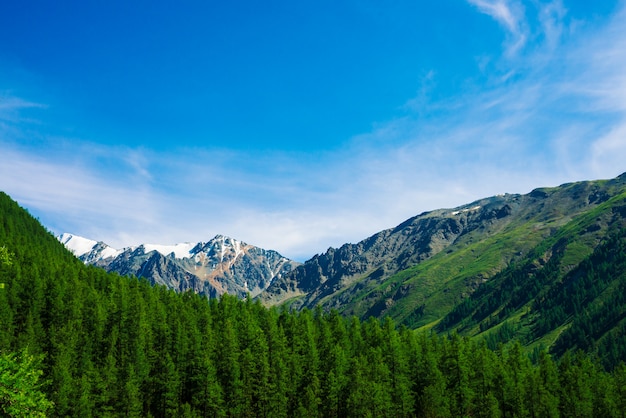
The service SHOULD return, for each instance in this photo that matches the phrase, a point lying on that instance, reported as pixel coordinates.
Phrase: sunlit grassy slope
(493, 281)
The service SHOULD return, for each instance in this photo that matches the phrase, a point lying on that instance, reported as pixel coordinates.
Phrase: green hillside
(500, 268)
(569, 293)
(77, 341)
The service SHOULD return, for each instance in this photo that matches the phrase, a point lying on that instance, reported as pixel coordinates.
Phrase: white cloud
(558, 117)
(551, 17)
(12, 103)
(64, 184)
(509, 14)
(609, 150)
(12, 110)
(500, 11)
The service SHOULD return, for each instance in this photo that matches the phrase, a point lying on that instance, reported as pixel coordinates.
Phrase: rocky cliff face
(221, 265)
(431, 261)
(387, 252)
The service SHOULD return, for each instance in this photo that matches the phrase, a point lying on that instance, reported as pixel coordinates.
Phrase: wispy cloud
(13, 111)
(509, 14)
(9, 103)
(551, 17)
(65, 182)
(559, 116)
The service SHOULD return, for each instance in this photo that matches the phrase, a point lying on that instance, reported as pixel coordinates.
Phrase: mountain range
(76, 340)
(220, 265)
(547, 268)
(539, 267)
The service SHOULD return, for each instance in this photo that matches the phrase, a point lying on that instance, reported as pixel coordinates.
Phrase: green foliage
(570, 287)
(6, 258)
(107, 345)
(519, 256)
(20, 386)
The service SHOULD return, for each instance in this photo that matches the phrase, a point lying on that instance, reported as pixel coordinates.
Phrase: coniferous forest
(77, 341)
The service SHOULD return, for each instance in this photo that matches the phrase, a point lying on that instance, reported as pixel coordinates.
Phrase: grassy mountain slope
(567, 293)
(106, 345)
(434, 266)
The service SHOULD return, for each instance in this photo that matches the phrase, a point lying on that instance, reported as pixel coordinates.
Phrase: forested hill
(77, 341)
(547, 268)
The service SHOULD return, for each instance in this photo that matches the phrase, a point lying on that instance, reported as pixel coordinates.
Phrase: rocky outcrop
(340, 277)
(384, 253)
(221, 265)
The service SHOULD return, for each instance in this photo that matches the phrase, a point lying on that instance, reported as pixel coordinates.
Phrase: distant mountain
(78, 341)
(494, 267)
(221, 265)
(547, 268)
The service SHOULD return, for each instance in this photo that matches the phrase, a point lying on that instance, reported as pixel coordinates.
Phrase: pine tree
(575, 396)
(396, 359)
(514, 379)
(278, 377)
(227, 361)
(545, 399)
(619, 378)
(485, 364)
(20, 387)
(305, 365)
(457, 370)
(428, 381)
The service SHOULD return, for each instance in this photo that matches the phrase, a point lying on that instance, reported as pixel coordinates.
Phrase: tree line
(77, 341)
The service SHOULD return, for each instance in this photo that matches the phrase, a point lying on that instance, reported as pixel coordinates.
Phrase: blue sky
(296, 126)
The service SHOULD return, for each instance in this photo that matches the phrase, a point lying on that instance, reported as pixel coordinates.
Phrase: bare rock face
(339, 277)
(221, 265)
(382, 254)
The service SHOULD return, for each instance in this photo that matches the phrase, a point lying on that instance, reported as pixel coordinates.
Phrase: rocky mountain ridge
(419, 270)
(221, 265)
(547, 268)
(415, 272)
(387, 252)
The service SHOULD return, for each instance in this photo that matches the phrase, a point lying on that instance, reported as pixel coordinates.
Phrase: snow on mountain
(81, 246)
(181, 250)
(77, 245)
(221, 265)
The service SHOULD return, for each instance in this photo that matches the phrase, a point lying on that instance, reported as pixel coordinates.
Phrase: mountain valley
(513, 305)
(495, 268)
(483, 268)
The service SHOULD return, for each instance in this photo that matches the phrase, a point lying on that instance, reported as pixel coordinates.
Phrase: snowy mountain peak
(85, 248)
(77, 245)
(221, 265)
(181, 250)
(82, 247)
